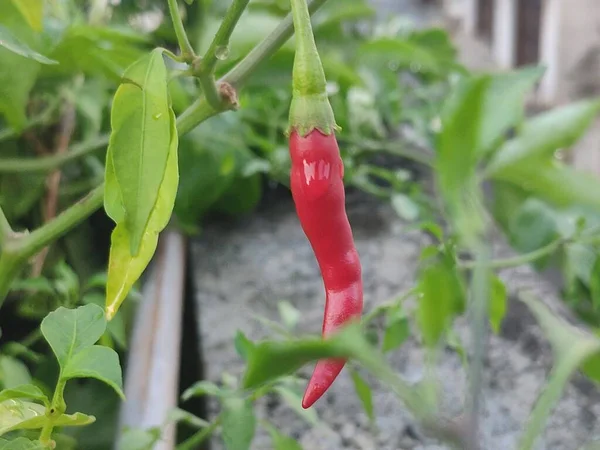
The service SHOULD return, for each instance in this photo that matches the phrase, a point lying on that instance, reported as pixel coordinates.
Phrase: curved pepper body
(318, 191)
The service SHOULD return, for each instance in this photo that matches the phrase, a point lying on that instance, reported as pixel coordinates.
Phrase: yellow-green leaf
(140, 142)
(32, 11)
(125, 269)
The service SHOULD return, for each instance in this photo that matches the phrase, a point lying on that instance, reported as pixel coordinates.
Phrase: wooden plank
(152, 375)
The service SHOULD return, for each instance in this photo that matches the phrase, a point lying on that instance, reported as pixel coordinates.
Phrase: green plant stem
(194, 441)
(221, 39)
(49, 163)
(519, 260)
(201, 110)
(480, 287)
(267, 48)
(187, 51)
(205, 68)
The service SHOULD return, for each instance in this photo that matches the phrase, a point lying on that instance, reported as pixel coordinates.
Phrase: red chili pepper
(318, 191)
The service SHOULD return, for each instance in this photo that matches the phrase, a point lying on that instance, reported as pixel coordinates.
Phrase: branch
(187, 52)
(204, 69)
(49, 163)
(28, 245)
(267, 48)
(221, 39)
(67, 127)
(201, 110)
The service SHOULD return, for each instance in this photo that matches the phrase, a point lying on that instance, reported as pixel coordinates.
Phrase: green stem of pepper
(220, 42)
(50, 163)
(310, 106)
(5, 228)
(187, 51)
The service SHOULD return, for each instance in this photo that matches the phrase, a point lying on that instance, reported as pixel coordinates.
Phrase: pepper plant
(79, 80)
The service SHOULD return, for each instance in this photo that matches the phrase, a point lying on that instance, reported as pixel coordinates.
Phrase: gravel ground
(246, 268)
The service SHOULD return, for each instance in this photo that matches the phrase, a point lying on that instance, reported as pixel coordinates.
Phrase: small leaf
(68, 331)
(123, 268)
(97, 362)
(289, 314)
(457, 157)
(138, 439)
(243, 345)
(437, 302)
(405, 207)
(178, 415)
(595, 284)
(397, 329)
(32, 11)
(239, 423)
(281, 441)
(364, 393)
(503, 106)
(18, 414)
(22, 443)
(141, 142)
(497, 303)
(10, 42)
(293, 398)
(13, 372)
(25, 391)
(200, 388)
(544, 134)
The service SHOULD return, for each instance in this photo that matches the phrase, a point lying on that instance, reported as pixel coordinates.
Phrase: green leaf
(457, 158)
(595, 284)
(503, 107)
(555, 182)
(13, 372)
(243, 345)
(572, 347)
(17, 77)
(292, 396)
(281, 441)
(532, 226)
(69, 331)
(239, 423)
(26, 391)
(10, 42)
(32, 11)
(138, 439)
(363, 391)
(22, 443)
(123, 268)
(200, 388)
(273, 359)
(140, 143)
(19, 415)
(289, 314)
(72, 333)
(397, 329)
(97, 362)
(543, 135)
(23, 415)
(116, 327)
(497, 303)
(438, 298)
(405, 207)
